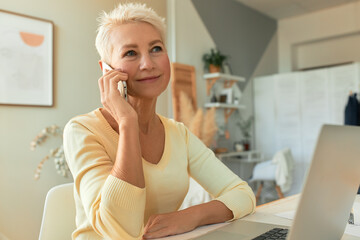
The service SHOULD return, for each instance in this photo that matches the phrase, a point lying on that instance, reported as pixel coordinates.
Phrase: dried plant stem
(40, 166)
(196, 123)
(187, 111)
(209, 127)
(204, 127)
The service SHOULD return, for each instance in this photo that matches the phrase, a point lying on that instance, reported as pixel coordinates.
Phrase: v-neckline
(164, 157)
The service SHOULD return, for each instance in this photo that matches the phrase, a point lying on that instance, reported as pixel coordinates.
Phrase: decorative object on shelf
(228, 93)
(245, 127)
(227, 68)
(236, 101)
(213, 61)
(238, 146)
(27, 42)
(202, 125)
(56, 154)
(213, 98)
(223, 98)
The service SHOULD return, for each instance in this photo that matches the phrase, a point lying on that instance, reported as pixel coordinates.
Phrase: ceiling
(279, 9)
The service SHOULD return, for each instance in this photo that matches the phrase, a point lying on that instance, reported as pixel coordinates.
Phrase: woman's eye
(156, 49)
(130, 53)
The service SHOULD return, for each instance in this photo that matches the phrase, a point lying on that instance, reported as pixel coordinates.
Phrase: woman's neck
(147, 117)
(145, 109)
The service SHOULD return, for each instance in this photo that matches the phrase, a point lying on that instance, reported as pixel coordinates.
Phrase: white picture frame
(26, 60)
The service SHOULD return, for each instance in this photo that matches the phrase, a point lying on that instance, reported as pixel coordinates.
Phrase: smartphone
(121, 85)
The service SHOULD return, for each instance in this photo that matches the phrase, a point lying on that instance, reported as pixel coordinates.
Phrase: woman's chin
(148, 93)
(146, 96)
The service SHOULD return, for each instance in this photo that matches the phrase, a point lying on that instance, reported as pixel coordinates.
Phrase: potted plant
(213, 61)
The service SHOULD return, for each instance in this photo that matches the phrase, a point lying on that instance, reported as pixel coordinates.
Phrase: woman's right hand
(111, 98)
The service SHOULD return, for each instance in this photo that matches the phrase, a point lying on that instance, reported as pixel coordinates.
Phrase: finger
(112, 78)
(107, 80)
(101, 84)
(106, 84)
(102, 91)
(163, 232)
(154, 224)
(154, 227)
(114, 82)
(148, 224)
(115, 72)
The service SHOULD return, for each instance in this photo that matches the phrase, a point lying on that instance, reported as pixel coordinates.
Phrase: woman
(131, 166)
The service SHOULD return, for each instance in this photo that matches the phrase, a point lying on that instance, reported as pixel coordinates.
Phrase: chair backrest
(58, 220)
(183, 79)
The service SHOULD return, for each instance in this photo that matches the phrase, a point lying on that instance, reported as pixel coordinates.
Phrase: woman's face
(138, 50)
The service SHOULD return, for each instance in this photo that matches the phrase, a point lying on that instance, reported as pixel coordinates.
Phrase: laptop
(327, 196)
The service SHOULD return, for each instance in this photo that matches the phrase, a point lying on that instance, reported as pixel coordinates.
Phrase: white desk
(242, 163)
(244, 157)
(264, 213)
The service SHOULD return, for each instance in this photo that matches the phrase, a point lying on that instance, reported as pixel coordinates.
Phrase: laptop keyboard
(275, 233)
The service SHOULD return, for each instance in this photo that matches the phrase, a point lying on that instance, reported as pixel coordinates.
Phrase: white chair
(196, 195)
(58, 220)
(278, 170)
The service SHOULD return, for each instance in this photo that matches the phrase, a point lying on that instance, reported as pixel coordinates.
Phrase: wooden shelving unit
(229, 80)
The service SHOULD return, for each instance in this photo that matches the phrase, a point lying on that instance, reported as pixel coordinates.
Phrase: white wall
(192, 40)
(323, 37)
(76, 72)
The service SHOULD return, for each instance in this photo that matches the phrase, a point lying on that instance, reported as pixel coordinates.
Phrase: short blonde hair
(124, 13)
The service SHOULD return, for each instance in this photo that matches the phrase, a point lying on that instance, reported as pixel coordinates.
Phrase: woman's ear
(101, 65)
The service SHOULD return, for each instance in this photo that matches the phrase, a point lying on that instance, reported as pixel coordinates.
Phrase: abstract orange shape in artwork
(31, 39)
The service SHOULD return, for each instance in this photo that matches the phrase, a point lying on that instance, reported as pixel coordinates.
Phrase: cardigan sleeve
(218, 179)
(114, 208)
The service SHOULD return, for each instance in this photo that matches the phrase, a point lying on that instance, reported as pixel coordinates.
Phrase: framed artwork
(26, 60)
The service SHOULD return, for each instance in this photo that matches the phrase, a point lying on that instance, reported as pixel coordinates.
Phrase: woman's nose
(146, 63)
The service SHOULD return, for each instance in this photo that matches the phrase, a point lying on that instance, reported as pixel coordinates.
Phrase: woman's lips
(149, 79)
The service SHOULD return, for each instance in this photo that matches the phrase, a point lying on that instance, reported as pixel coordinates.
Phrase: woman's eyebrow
(155, 41)
(131, 45)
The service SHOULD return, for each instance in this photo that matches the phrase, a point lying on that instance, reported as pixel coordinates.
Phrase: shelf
(228, 80)
(224, 77)
(224, 105)
(228, 108)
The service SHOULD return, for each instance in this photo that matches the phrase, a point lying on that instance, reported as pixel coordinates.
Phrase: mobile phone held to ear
(121, 85)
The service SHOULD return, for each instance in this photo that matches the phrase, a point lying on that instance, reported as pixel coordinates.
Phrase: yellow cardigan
(109, 208)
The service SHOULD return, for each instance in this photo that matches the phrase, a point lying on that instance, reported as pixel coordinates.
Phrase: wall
(324, 37)
(192, 37)
(75, 73)
(238, 31)
(228, 23)
(190, 40)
